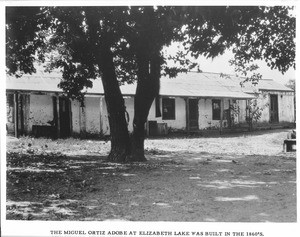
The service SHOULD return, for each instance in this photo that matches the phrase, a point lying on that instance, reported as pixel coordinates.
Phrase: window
(216, 109)
(168, 107)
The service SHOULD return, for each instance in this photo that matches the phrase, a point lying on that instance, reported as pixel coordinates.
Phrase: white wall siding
(264, 102)
(92, 115)
(205, 114)
(96, 119)
(180, 115)
(242, 111)
(286, 108)
(41, 110)
(75, 110)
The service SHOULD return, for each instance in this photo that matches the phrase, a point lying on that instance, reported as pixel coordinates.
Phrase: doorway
(193, 115)
(274, 109)
(64, 117)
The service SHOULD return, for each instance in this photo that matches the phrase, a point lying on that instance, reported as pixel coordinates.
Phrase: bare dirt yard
(233, 178)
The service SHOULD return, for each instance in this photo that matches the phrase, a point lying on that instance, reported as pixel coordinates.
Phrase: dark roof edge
(288, 90)
(102, 94)
(243, 77)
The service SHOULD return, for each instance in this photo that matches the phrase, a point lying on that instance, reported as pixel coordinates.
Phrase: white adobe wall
(92, 115)
(75, 110)
(94, 105)
(96, 114)
(96, 119)
(180, 115)
(41, 110)
(205, 114)
(242, 112)
(179, 123)
(264, 102)
(285, 106)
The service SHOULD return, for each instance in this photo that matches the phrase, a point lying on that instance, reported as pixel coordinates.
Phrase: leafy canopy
(71, 38)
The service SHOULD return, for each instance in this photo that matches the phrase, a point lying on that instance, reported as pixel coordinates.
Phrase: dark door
(274, 108)
(64, 117)
(193, 115)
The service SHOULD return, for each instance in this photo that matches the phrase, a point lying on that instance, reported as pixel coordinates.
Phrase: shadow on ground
(170, 186)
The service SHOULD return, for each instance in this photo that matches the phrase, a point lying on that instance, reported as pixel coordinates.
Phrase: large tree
(124, 44)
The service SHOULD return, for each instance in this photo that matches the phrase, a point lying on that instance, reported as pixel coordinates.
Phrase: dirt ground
(235, 178)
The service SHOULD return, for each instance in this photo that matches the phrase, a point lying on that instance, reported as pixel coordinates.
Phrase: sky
(221, 64)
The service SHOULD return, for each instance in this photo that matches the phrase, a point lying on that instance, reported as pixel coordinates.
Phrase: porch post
(55, 118)
(26, 113)
(16, 113)
(21, 104)
(229, 114)
(221, 117)
(82, 120)
(58, 120)
(248, 115)
(101, 113)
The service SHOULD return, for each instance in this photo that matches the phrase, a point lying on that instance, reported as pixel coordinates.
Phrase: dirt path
(243, 178)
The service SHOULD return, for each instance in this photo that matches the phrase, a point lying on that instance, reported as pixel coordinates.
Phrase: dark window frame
(168, 109)
(216, 109)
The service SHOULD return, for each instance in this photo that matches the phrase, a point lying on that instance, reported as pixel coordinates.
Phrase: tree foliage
(24, 38)
(291, 84)
(252, 33)
(270, 37)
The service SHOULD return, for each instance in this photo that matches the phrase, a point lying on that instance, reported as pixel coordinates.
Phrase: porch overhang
(169, 88)
(181, 92)
(232, 96)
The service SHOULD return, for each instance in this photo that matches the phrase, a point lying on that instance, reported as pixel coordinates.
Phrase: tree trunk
(120, 141)
(147, 90)
(124, 149)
